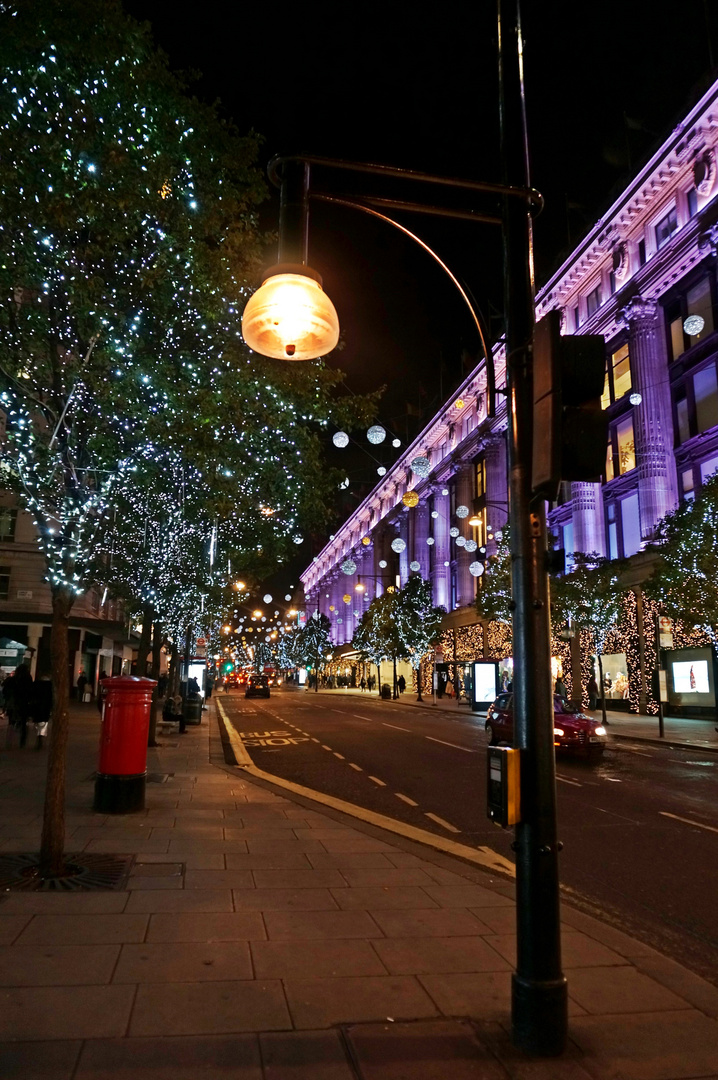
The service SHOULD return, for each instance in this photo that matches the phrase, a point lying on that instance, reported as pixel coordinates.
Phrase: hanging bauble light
(447, 563)
(470, 545)
(410, 498)
(349, 567)
(366, 540)
(460, 541)
(453, 531)
(381, 470)
(331, 607)
(476, 569)
(347, 598)
(421, 466)
(414, 566)
(462, 511)
(635, 398)
(382, 564)
(444, 491)
(398, 544)
(693, 325)
(288, 596)
(299, 540)
(396, 443)
(430, 540)
(267, 598)
(376, 434)
(340, 439)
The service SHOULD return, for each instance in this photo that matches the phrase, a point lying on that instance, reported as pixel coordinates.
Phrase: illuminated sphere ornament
(421, 466)
(290, 317)
(349, 567)
(376, 434)
(366, 540)
(410, 498)
(460, 541)
(288, 596)
(340, 439)
(381, 470)
(476, 568)
(331, 607)
(347, 598)
(462, 511)
(396, 443)
(398, 545)
(340, 620)
(357, 614)
(414, 566)
(499, 534)
(444, 491)
(693, 324)
(344, 484)
(447, 563)
(470, 545)
(267, 598)
(382, 564)
(635, 398)
(298, 539)
(430, 540)
(453, 531)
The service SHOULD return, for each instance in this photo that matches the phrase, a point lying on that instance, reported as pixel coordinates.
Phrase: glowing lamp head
(474, 521)
(290, 317)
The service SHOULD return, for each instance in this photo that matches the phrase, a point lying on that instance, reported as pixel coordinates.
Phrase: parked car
(257, 686)
(573, 731)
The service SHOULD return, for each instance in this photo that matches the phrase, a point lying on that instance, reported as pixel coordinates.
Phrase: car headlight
(558, 731)
(600, 730)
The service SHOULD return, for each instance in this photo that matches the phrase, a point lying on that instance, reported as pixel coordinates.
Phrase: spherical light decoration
(340, 439)
(421, 466)
(447, 563)
(470, 545)
(267, 598)
(476, 569)
(382, 564)
(357, 614)
(300, 540)
(340, 620)
(396, 443)
(381, 470)
(460, 541)
(453, 531)
(430, 541)
(349, 567)
(366, 540)
(347, 598)
(331, 607)
(693, 324)
(635, 398)
(499, 534)
(414, 566)
(410, 498)
(444, 491)
(462, 511)
(288, 596)
(290, 317)
(376, 434)
(398, 545)
(435, 513)
(459, 403)
(344, 484)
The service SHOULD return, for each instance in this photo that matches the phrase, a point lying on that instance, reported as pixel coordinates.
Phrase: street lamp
(539, 990)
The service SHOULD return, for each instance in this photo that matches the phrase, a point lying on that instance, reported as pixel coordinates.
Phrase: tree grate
(85, 872)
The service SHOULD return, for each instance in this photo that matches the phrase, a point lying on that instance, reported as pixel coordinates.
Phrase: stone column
(404, 557)
(589, 533)
(652, 419)
(465, 582)
(497, 489)
(421, 532)
(440, 578)
(382, 553)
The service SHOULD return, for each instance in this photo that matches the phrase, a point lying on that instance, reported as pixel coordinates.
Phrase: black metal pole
(539, 992)
(294, 213)
(661, 728)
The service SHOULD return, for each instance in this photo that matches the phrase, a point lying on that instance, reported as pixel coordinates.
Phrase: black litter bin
(386, 691)
(193, 709)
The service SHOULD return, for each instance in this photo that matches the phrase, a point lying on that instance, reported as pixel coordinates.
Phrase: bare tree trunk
(601, 687)
(378, 678)
(145, 641)
(155, 673)
(396, 690)
(173, 684)
(418, 681)
(52, 846)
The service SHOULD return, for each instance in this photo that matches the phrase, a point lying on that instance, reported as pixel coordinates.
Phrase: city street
(640, 828)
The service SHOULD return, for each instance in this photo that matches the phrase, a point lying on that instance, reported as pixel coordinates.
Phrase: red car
(573, 731)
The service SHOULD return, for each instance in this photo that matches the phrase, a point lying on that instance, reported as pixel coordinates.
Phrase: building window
(593, 301)
(612, 282)
(621, 452)
(708, 468)
(692, 202)
(618, 376)
(567, 540)
(576, 319)
(683, 425)
(4, 582)
(705, 392)
(612, 531)
(690, 318)
(8, 521)
(688, 485)
(665, 228)
(642, 252)
(630, 525)
(481, 478)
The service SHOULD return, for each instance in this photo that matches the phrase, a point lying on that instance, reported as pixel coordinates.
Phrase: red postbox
(122, 768)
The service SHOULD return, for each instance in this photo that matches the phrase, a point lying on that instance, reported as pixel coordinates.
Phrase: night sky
(605, 83)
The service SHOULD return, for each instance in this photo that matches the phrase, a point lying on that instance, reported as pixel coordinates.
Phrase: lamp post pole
(539, 991)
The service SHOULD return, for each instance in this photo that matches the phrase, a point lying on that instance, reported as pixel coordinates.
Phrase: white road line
(455, 745)
(444, 824)
(313, 739)
(327, 748)
(405, 798)
(641, 753)
(687, 821)
(340, 756)
(377, 781)
(396, 728)
(357, 767)
(358, 717)
(565, 780)
(612, 779)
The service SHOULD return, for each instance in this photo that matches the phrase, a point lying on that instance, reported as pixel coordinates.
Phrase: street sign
(665, 625)
(438, 654)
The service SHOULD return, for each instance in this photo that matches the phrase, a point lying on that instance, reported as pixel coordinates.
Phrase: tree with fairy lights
(685, 581)
(313, 643)
(588, 597)
(377, 636)
(418, 622)
(493, 597)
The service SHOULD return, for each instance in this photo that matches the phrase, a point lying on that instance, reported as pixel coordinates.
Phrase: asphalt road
(640, 827)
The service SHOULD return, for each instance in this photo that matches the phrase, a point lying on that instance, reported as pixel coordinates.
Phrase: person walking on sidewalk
(42, 707)
(18, 692)
(362, 684)
(401, 683)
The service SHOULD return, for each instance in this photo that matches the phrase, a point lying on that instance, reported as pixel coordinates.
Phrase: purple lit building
(645, 279)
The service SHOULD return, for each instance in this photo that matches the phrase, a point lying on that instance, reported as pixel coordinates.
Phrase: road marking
(313, 739)
(440, 821)
(405, 798)
(612, 779)
(357, 767)
(396, 728)
(455, 745)
(377, 780)
(565, 780)
(358, 717)
(641, 753)
(687, 821)
(327, 748)
(340, 756)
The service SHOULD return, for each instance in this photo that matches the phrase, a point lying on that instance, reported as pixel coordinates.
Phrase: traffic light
(570, 429)
(227, 666)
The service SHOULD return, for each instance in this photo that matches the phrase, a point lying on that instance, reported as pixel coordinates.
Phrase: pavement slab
(321, 1003)
(651, 1046)
(209, 1008)
(221, 1057)
(424, 956)
(318, 1055)
(422, 1051)
(333, 958)
(319, 925)
(56, 965)
(79, 930)
(186, 961)
(206, 926)
(65, 1012)
(39, 1060)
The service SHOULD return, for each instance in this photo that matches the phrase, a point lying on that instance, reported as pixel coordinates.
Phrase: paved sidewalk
(261, 939)
(679, 731)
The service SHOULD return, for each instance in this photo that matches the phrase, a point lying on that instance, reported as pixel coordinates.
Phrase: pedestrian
(81, 684)
(209, 685)
(18, 692)
(178, 713)
(401, 683)
(449, 688)
(592, 691)
(42, 707)
(362, 684)
(560, 689)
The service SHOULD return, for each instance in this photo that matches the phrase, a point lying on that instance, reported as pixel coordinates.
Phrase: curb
(667, 744)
